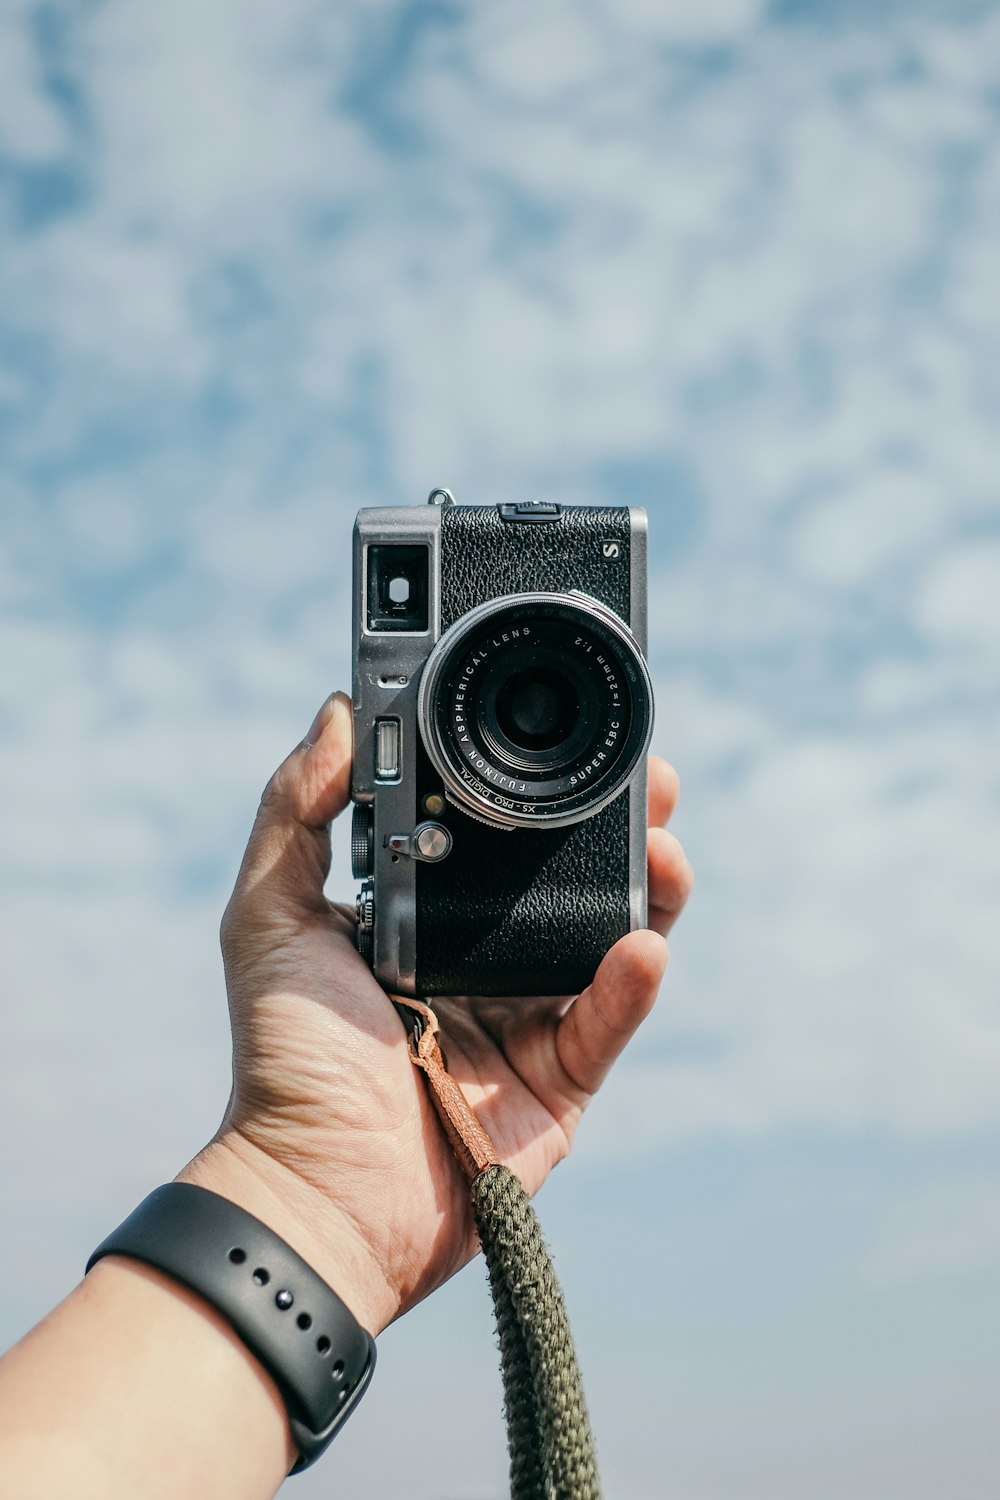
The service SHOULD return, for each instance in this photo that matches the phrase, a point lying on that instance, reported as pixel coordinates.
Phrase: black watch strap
(308, 1341)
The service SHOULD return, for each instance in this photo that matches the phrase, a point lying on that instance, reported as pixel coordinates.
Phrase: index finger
(664, 789)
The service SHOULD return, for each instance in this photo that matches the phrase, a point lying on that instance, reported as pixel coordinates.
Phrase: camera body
(502, 713)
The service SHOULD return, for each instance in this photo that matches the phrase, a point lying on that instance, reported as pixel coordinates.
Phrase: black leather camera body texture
(527, 911)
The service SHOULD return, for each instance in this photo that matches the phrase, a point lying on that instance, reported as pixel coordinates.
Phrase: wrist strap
(548, 1429)
(308, 1341)
(469, 1141)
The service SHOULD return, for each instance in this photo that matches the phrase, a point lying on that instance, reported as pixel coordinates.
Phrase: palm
(323, 1083)
(325, 1078)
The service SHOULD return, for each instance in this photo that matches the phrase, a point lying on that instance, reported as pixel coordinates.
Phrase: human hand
(329, 1135)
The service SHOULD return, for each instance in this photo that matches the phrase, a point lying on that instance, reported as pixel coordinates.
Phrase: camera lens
(536, 708)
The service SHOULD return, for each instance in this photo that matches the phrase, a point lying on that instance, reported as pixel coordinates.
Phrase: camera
(502, 713)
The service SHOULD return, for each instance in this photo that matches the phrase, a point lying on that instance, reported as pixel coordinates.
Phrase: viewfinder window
(397, 588)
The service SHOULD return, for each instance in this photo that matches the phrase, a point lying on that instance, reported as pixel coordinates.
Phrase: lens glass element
(536, 708)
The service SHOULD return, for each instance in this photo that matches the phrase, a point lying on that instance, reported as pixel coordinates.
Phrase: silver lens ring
(576, 734)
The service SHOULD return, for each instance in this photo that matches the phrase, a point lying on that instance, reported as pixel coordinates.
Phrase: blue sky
(261, 265)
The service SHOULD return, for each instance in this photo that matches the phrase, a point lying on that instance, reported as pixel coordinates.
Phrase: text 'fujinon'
(502, 713)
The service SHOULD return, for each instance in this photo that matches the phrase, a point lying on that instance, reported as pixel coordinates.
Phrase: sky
(261, 265)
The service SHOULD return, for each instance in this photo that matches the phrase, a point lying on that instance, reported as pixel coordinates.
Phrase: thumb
(287, 858)
(603, 1018)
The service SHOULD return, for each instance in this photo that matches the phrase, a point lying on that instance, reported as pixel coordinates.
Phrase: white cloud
(524, 294)
(534, 54)
(959, 604)
(205, 119)
(878, 522)
(322, 260)
(674, 22)
(30, 125)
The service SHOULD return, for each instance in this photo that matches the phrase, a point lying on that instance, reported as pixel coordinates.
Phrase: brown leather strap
(548, 1430)
(471, 1144)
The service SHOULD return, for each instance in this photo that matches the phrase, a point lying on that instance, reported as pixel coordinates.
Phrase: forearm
(135, 1386)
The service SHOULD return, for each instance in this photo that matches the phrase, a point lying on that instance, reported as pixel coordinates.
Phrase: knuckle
(274, 799)
(231, 926)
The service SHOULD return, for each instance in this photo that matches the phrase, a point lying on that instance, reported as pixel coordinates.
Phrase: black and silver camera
(502, 712)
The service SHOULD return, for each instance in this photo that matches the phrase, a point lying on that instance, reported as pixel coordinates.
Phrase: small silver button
(429, 842)
(433, 841)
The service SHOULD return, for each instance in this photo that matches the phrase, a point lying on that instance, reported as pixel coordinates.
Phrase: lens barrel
(536, 709)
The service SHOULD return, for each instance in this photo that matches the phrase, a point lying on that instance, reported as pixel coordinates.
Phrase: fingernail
(320, 722)
(337, 706)
(342, 711)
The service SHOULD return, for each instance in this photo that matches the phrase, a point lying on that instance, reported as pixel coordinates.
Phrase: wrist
(315, 1226)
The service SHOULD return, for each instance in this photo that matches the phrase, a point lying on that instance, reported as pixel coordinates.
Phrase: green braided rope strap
(548, 1430)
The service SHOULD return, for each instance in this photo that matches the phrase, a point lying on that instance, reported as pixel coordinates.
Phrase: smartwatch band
(308, 1341)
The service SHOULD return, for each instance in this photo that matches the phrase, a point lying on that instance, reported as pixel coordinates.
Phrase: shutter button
(530, 510)
(429, 842)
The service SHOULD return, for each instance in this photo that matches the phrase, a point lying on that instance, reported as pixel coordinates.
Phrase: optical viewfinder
(397, 588)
